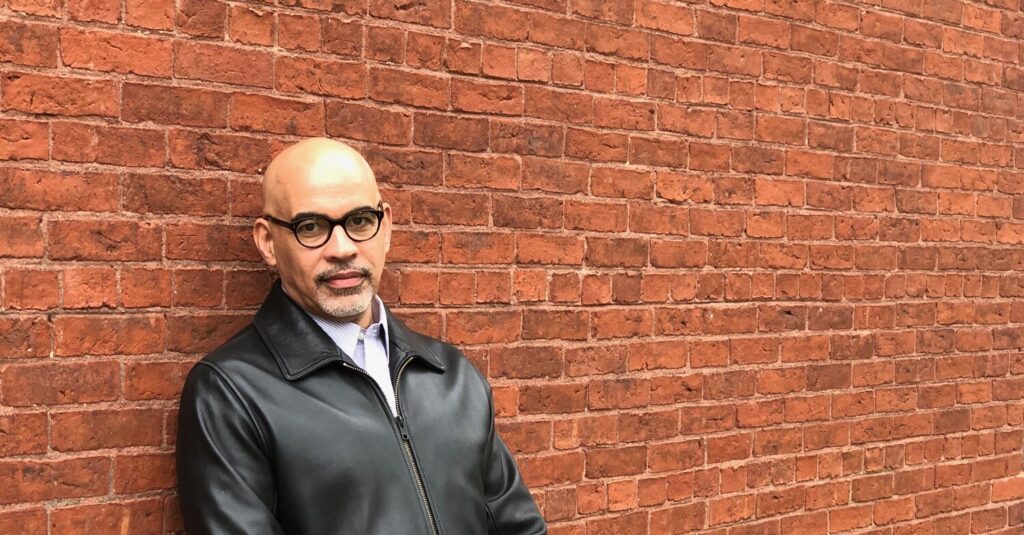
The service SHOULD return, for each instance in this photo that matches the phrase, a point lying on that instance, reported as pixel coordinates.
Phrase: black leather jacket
(281, 433)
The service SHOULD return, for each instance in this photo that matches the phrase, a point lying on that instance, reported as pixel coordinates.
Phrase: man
(327, 415)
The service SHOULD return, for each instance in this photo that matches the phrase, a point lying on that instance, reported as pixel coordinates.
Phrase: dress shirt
(367, 347)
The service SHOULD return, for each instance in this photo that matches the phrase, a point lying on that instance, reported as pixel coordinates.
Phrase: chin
(348, 306)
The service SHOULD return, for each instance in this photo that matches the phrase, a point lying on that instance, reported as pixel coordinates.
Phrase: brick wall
(732, 266)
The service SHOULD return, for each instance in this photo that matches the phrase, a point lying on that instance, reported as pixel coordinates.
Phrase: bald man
(327, 415)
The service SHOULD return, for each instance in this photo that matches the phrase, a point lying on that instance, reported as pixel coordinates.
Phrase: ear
(264, 241)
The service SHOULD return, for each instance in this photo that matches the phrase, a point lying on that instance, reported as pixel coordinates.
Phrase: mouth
(345, 279)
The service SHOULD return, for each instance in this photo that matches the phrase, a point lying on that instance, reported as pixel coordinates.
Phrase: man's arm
(225, 484)
(512, 509)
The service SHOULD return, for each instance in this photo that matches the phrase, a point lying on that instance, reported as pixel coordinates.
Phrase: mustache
(325, 275)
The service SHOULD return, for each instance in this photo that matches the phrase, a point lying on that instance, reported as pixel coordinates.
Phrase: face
(338, 279)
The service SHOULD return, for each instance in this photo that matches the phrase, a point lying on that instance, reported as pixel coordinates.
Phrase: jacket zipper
(406, 443)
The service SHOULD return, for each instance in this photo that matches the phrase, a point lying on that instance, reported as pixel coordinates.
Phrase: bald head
(310, 165)
(318, 179)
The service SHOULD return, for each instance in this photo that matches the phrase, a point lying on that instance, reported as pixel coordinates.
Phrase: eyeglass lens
(315, 231)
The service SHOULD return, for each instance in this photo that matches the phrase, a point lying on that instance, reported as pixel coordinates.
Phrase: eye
(310, 227)
(362, 220)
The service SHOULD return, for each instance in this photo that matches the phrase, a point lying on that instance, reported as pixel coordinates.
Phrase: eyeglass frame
(340, 222)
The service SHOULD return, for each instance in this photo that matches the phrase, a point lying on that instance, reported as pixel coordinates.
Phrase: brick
(414, 89)
(498, 172)
(222, 63)
(316, 76)
(21, 434)
(276, 115)
(549, 249)
(191, 149)
(478, 97)
(174, 105)
(478, 328)
(430, 13)
(22, 237)
(59, 95)
(152, 14)
(30, 44)
(49, 190)
(202, 333)
(594, 145)
(108, 335)
(172, 194)
(615, 41)
(154, 380)
(477, 248)
(24, 140)
(106, 240)
(526, 138)
(36, 481)
(189, 241)
(199, 18)
(87, 143)
(498, 22)
(526, 212)
(59, 384)
(526, 362)
(368, 123)
(450, 132)
(115, 52)
(611, 462)
(110, 519)
(558, 105)
(102, 428)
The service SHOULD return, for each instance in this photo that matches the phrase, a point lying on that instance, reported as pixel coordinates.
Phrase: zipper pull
(401, 428)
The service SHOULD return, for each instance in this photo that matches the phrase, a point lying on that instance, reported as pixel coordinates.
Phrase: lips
(345, 279)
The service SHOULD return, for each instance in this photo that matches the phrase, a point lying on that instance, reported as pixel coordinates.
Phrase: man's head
(324, 178)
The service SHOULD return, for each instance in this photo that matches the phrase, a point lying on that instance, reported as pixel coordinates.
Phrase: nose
(339, 245)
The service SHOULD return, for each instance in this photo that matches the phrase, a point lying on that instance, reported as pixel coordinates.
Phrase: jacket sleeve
(511, 508)
(225, 482)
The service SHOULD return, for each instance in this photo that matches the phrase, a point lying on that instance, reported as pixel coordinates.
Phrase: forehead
(331, 184)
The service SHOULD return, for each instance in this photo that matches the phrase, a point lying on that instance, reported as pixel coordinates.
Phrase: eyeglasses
(312, 232)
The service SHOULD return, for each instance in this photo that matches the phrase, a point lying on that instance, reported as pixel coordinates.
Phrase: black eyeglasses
(314, 231)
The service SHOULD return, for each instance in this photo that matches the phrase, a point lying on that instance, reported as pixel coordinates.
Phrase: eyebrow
(307, 215)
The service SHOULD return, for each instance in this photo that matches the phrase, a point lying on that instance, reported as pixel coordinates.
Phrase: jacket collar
(301, 347)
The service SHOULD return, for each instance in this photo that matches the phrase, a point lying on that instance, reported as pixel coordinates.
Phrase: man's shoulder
(242, 350)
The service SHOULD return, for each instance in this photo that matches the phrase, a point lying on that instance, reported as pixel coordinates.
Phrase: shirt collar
(346, 334)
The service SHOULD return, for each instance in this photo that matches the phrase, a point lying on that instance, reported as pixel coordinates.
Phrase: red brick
(59, 95)
(94, 10)
(556, 105)
(617, 394)
(479, 97)
(251, 26)
(615, 41)
(116, 52)
(594, 145)
(101, 428)
(108, 335)
(22, 236)
(58, 384)
(450, 132)
(49, 190)
(141, 473)
(201, 18)
(22, 433)
(172, 194)
(477, 248)
(301, 32)
(87, 143)
(174, 105)
(104, 240)
(35, 481)
(222, 63)
(24, 140)
(145, 288)
(154, 380)
(143, 517)
(202, 333)
(611, 462)
(368, 123)
(526, 138)
(340, 37)
(321, 77)
(549, 249)
(481, 328)
(414, 89)
(498, 172)
(152, 14)
(431, 12)
(276, 115)
(28, 44)
(233, 152)
(526, 362)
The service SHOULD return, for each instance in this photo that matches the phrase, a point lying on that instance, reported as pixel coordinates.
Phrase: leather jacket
(280, 432)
